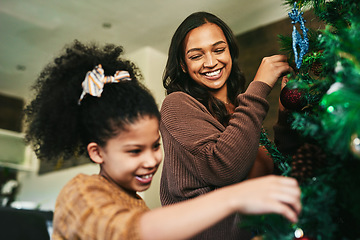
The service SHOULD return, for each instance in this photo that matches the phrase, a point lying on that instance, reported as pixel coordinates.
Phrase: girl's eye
(157, 146)
(135, 151)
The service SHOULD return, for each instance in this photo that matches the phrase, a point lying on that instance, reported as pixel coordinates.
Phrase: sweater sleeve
(88, 208)
(219, 156)
(286, 139)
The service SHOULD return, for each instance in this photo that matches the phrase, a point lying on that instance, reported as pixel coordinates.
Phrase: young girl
(90, 102)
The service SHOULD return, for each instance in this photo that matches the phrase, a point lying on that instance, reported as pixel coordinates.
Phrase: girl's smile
(131, 158)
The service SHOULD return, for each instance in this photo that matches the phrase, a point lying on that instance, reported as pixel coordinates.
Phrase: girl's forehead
(146, 125)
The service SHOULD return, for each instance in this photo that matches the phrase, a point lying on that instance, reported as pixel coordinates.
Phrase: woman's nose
(210, 61)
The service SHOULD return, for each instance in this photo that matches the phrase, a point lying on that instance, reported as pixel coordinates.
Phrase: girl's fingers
(286, 211)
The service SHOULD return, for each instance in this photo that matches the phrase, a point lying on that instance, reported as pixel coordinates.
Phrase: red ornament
(292, 98)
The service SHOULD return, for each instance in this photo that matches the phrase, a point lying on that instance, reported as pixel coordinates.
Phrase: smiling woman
(205, 88)
(207, 59)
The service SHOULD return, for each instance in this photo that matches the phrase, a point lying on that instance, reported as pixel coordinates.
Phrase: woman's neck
(230, 108)
(221, 94)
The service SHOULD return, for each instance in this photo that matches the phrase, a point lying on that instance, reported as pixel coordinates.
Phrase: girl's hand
(270, 194)
(272, 68)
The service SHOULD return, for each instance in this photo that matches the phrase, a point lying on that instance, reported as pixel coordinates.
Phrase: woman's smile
(213, 75)
(207, 57)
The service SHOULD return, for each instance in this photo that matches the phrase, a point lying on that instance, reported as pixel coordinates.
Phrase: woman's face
(207, 57)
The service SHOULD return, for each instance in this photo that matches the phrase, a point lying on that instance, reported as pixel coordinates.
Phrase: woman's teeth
(211, 74)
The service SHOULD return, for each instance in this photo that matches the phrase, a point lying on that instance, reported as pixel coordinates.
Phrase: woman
(210, 127)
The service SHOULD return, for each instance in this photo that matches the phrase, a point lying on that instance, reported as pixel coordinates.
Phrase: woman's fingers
(284, 81)
(272, 68)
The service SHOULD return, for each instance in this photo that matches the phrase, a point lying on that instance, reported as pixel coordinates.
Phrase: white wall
(152, 63)
(43, 189)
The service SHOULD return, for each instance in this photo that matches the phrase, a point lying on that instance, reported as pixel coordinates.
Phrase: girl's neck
(109, 179)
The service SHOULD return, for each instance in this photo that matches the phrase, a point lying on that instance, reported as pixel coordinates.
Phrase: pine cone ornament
(316, 68)
(306, 161)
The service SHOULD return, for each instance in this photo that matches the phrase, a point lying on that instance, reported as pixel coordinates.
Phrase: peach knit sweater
(90, 207)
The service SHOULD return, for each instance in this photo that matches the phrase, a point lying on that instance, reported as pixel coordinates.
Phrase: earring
(183, 67)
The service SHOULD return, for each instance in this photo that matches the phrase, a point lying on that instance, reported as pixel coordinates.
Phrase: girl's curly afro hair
(57, 126)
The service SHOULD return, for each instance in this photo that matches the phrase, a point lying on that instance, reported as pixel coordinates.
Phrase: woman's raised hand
(272, 68)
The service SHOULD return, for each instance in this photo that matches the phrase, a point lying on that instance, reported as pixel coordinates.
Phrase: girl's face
(132, 157)
(207, 57)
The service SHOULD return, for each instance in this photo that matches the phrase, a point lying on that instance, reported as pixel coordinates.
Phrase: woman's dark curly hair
(59, 127)
(174, 79)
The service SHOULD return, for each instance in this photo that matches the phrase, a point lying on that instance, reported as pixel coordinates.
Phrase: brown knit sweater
(90, 207)
(202, 155)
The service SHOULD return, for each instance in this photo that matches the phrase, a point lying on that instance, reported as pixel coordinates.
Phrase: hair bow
(95, 80)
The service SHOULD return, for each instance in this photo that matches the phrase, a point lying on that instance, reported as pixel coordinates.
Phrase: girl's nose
(153, 159)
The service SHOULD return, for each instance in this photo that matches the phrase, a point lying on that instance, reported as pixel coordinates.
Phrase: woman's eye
(195, 57)
(220, 50)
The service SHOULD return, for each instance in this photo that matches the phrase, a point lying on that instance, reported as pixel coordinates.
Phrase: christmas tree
(323, 98)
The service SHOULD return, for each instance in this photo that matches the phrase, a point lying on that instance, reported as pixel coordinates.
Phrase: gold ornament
(355, 145)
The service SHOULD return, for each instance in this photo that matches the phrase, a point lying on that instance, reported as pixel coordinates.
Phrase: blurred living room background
(34, 31)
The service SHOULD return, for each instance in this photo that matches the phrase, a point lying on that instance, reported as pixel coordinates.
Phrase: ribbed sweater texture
(201, 155)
